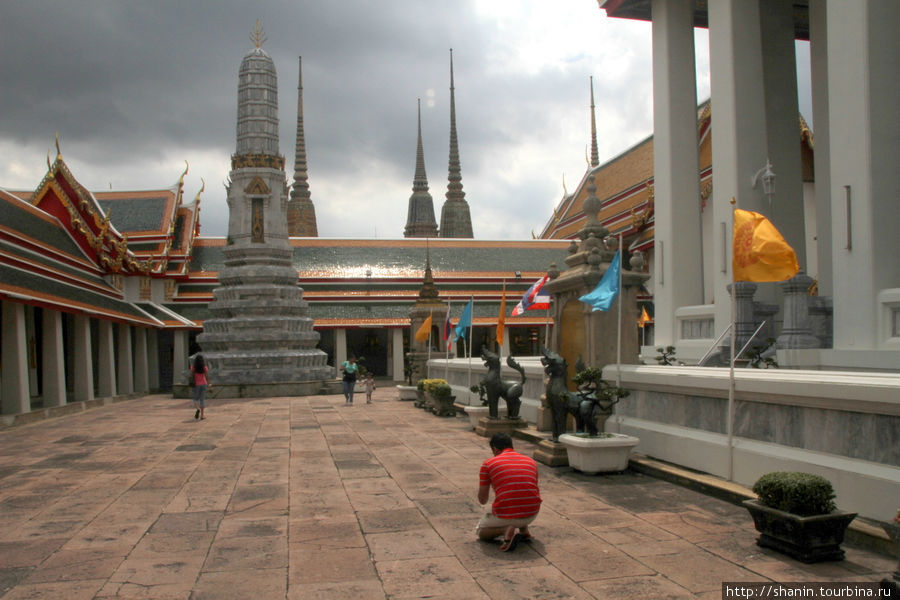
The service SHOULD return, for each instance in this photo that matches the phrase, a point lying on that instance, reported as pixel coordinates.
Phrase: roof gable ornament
(257, 187)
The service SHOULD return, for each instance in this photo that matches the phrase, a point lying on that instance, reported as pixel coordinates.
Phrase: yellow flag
(424, 331)
(760, 253)
(501, 320)
(644, 318)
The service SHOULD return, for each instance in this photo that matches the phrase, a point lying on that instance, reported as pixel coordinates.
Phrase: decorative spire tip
(257, 36)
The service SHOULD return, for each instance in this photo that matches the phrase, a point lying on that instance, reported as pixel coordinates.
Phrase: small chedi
(496, 387)
(591, 405)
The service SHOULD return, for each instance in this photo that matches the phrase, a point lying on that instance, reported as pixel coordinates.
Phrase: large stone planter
(407, 392)
(808, 539)
(477, 412)
(603, 454)
(441, 406)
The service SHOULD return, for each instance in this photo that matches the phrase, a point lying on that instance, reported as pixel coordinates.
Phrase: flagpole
(731, 368)
(469, 352)
(619, 324)
(447, 345)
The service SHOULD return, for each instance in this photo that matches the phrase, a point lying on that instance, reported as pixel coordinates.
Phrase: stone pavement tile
(645, 548)
(380, 493)
(366, 589)
(311, 564)
(739, 548)
(586, 560)
(609, 518)
(450, 506)
(236, 584)
(698, 570)
(534, 583)
(427, 578)
(242, 553)
(245, 525)
(636, 531)
(162, 544)
(187, 522)
(188, 501)
(271, 498)
(79, 564)
(400, 545)
(551, 527)
(329, 532)
(693, 526)
(643, 587)
(398, 519)
(116, 536)
(28, 553)
(171, 568)
(43, 528)
(161, 479)
(858, 561)
(69, 590)
(133, 591)
(12, 576)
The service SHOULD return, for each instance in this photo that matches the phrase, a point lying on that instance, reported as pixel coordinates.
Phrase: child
(370, 387)
(200, 375)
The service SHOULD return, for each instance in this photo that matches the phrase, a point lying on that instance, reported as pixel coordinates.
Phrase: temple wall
(844, 426)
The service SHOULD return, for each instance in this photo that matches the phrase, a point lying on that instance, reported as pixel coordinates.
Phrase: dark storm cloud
(128, 84)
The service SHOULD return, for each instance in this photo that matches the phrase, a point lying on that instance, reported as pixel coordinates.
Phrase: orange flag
(424, 331)
(760, 252)
(501, 320)
(644, 318)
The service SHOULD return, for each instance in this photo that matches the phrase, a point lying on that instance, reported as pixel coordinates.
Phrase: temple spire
(595, 155)
(301, 213)
(455, 219)
(420, 220)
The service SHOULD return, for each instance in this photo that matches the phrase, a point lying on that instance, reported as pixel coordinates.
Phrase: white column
(678, 280)
(14, 392)
(864, 128)
(84, 368)
(505, 347)
(125, 360)
(397, 353)
(153, 357)
(738, 131)
(340, 348)
(53, 360)
(179, 356)
(106, 367)
(782, 126)
(818, 50)
(141, 376)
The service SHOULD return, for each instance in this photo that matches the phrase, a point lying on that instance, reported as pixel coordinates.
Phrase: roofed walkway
(306, 498)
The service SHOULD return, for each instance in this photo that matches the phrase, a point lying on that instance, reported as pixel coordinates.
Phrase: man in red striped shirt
(517, 499)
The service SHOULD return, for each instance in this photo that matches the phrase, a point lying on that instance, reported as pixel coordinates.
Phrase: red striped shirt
(514, 478)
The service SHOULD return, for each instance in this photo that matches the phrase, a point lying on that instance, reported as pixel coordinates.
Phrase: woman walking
(200, 372)
(349, 368)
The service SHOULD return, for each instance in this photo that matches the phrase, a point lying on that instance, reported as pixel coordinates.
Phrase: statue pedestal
(487, 426)
(476, 413)
(551, 453)
(602, 454)
(544, 419)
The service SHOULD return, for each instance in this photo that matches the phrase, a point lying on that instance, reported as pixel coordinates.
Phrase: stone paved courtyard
(306, 498)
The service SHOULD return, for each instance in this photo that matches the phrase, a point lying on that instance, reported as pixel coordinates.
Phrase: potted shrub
(420, 394)
(795, 514)
(440, 398)
(590, 449)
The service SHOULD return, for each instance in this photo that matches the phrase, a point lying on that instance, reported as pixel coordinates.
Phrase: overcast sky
(135, 89)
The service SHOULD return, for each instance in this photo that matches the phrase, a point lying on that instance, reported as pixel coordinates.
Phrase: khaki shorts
(490, 520)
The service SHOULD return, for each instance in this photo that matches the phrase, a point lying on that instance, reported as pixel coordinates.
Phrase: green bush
(439, 388)
(802, 494)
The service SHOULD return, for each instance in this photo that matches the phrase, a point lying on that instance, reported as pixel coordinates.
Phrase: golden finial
(202, 187)
(181, 179)
(49, 166)
(257, 36)
(58, 153)
(565, 191)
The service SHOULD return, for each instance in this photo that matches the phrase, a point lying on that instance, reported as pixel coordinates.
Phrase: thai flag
(534, 298)
(448, 328)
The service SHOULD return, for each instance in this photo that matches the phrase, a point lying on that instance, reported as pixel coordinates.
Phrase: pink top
(200, 378)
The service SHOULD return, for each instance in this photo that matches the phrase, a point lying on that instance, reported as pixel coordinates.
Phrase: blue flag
(464, 321)
(606, 291)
